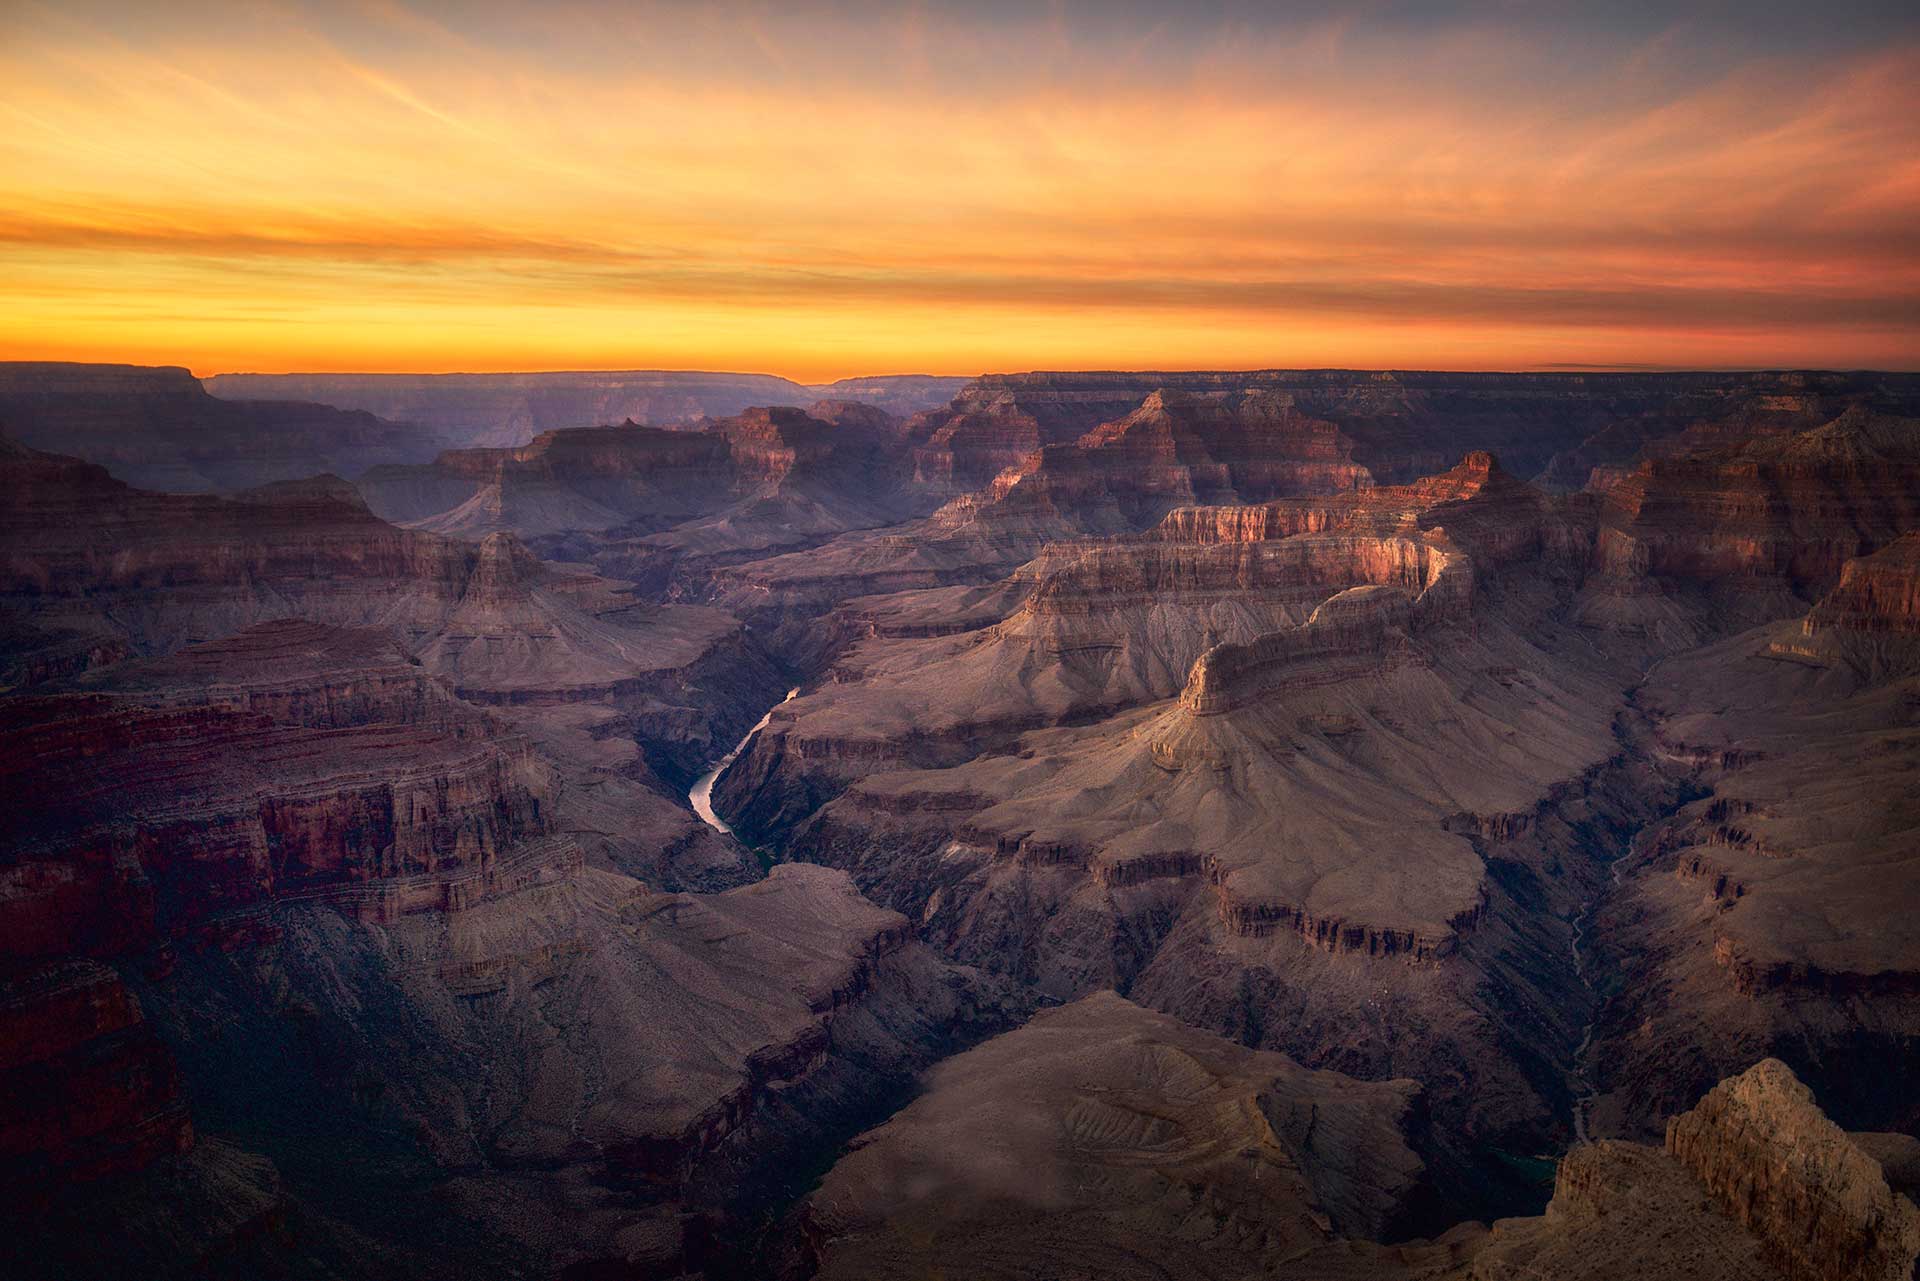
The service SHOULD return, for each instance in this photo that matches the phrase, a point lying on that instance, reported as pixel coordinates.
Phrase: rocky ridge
(156, 427)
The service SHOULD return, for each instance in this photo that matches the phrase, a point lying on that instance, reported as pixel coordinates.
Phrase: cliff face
(1877, 594)
(172, 806)
(1772, 1160)
(156, 427)
(1793, 507)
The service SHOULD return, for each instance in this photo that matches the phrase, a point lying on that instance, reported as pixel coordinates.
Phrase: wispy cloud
(953, 188)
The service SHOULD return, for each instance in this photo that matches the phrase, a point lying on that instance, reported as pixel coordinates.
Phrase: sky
(824, 190)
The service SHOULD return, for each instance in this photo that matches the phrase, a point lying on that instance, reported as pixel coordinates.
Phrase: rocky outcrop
(1772, 1160)
(1362, 631)
(1622, 1210)
(156, 427)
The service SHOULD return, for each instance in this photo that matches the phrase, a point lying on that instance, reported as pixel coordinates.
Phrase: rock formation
(1405, 424)
(1747, 532)
(622, 692)
(1772, 1160)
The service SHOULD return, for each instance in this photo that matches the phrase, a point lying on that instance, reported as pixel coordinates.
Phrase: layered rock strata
(1405, 423)
(623, 692)
(1752, 529)
(367, 952)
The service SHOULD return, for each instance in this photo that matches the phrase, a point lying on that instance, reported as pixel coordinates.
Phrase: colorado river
(701, 796)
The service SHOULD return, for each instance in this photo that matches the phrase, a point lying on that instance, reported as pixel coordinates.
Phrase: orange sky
(823, 190)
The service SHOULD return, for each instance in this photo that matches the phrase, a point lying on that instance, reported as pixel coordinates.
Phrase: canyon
(1275, 823)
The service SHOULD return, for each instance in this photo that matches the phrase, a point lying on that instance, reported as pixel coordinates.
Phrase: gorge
(1303, 824)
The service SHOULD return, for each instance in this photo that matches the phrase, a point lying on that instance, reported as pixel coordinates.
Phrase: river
(701, 794)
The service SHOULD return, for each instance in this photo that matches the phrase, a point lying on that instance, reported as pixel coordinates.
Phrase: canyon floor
(1277, 824)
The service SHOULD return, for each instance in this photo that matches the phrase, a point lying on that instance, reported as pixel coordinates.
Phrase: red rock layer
(173, 806)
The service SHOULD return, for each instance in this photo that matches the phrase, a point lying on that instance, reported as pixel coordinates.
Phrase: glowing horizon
(821, 191)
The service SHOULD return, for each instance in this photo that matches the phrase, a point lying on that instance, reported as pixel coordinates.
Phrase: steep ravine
(1587, 966)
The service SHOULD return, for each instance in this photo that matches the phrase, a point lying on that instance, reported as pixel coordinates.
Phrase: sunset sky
(823, 190)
